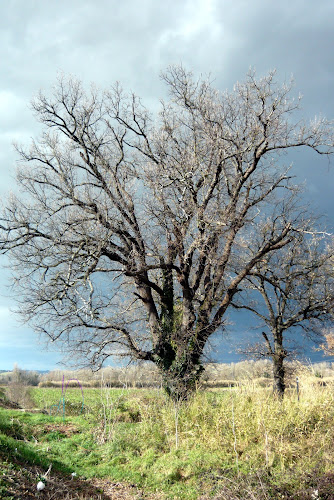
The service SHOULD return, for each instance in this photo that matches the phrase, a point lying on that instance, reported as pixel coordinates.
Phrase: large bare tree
(129, 237)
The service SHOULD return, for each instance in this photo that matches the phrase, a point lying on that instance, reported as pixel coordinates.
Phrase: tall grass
(232, 435)
(237, 442)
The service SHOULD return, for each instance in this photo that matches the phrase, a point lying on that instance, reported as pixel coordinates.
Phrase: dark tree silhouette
(288, 290)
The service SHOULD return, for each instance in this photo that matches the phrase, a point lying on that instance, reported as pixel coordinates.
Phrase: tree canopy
(132, 233)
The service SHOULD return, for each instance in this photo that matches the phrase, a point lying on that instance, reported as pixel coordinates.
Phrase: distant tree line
(20, 377)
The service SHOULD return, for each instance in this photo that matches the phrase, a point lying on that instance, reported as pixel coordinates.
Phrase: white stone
(40, 485)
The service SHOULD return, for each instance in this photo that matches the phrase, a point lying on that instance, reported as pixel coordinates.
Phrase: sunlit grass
(233, 439)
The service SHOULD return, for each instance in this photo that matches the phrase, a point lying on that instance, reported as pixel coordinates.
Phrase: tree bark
(180, 367)
(279, 372)
(278, 367)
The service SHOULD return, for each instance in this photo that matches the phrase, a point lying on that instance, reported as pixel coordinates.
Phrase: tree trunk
(178, 350)
(181, 369)
(180, 380)
(278, 366)
(279, 372)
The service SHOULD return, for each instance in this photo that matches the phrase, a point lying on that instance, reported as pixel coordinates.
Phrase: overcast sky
(133, 41)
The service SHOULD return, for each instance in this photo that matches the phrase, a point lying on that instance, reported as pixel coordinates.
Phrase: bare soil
(19, 482)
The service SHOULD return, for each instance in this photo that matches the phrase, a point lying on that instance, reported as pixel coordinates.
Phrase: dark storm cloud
(132, 41)
(294, 37)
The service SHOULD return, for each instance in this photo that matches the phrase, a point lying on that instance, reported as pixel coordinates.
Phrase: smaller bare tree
(328, 346)
(291, 289)
(18, 387)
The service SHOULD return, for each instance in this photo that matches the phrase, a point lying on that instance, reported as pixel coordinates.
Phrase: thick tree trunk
(181, 379)
(178, 351)
(181, 369)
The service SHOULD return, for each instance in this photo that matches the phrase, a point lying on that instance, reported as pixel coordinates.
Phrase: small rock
(40, 486)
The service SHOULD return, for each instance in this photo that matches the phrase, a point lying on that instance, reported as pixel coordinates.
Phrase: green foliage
(11, 426)
(27, 452)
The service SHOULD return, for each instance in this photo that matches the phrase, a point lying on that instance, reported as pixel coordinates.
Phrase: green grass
(17, 438)
(232, 444)
(93, 398)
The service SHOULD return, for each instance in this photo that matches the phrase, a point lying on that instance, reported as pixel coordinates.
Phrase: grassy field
(234, 443)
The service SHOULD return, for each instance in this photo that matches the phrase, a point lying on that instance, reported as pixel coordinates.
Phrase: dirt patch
(19, 482)
(66, 429)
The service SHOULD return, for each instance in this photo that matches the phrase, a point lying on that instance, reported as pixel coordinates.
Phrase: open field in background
(228, 442)
(218, 375)
(215, 375)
